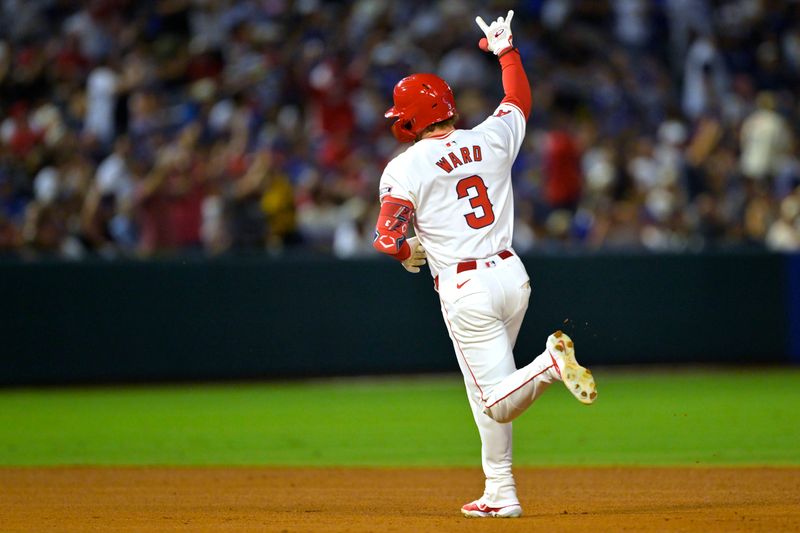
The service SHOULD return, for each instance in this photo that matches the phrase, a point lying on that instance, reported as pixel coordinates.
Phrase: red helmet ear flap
(402, 130)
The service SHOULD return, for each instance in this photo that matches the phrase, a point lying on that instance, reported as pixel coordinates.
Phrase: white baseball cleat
(479, 509)
(578, 380)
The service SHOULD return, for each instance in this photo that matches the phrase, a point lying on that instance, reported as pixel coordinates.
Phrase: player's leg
(512, 396)
(476, 326)
(496, 454)
(513, 322)
(476, 360)
(519, 389)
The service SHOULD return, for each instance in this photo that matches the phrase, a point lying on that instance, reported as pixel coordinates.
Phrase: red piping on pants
(515, 390)
(458, 345)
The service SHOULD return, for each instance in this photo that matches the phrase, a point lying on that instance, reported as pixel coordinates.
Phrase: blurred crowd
(133, 128)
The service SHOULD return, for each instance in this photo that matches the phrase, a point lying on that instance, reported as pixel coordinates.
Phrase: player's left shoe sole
(480, 510)
(577, 379)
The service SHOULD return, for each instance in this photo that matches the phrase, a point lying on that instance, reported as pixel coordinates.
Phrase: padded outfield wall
(64, 322)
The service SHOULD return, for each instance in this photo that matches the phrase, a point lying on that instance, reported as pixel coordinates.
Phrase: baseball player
(454, 186)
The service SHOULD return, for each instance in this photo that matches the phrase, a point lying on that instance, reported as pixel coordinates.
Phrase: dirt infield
(339, 499)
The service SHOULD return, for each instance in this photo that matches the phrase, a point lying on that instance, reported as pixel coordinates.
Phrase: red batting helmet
(419, 101)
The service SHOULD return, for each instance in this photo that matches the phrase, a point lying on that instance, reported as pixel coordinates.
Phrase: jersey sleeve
(395, 183)
(505, 129)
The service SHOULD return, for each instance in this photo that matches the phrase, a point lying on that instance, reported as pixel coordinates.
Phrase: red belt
(465, 266)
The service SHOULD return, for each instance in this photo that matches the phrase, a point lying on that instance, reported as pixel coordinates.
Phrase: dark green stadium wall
(263, 318)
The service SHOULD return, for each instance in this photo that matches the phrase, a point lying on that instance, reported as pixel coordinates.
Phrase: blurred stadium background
(179, 180)
(151, 128)
(188, 192)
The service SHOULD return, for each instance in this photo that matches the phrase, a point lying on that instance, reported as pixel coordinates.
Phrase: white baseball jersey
(460, 186)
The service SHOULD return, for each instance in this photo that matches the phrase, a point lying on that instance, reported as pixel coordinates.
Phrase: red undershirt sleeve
(515, 82)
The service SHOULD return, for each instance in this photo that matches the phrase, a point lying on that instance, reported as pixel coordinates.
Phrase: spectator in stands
(784, 233)
(766, 140)
(562, 185)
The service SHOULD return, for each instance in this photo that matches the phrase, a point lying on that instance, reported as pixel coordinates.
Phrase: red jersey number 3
(480, 200)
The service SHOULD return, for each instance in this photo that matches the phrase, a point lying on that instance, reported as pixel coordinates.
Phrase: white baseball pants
(483, 310)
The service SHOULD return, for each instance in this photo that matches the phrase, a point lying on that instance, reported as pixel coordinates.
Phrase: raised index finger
(482, 24)
(509, 16)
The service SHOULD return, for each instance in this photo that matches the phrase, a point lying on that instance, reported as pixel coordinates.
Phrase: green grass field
(683, 418)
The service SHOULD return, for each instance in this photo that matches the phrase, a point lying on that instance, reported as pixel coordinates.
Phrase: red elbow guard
(392, 226)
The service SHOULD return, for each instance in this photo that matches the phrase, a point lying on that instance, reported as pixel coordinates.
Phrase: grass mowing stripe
(710, 417)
